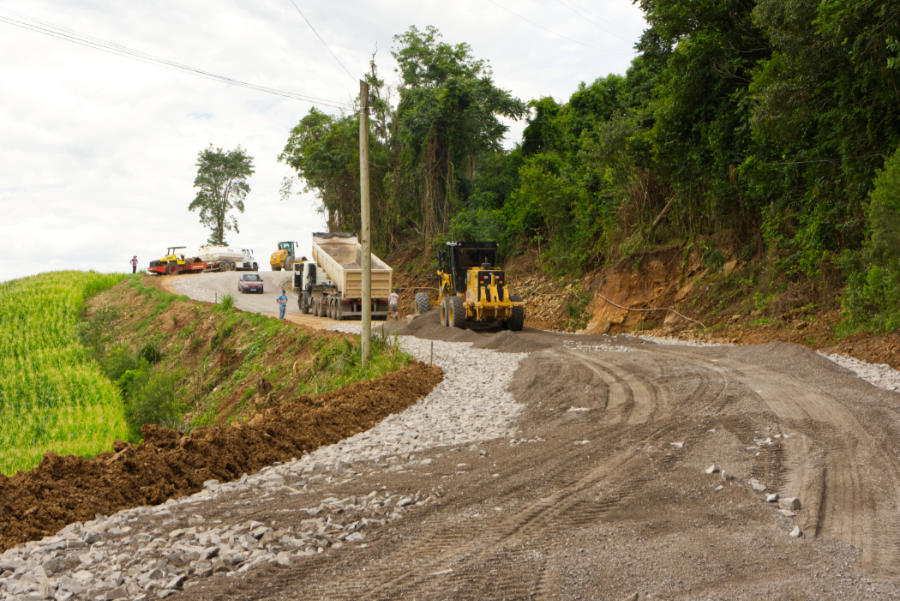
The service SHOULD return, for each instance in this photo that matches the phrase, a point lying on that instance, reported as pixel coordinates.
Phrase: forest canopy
(759, 129)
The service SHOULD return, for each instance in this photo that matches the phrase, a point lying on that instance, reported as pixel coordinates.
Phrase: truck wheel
(330, 308)
(445, 309)
(423, 303)
(517, 318)
(338, 311)
(256, 267)
(457, 315)
(171, 268)
(288, 263)
(276, 267)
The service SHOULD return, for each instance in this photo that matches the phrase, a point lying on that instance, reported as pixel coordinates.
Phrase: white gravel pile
(152, 552)
(878, 374)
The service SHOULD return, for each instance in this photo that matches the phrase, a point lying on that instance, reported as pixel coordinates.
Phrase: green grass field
(53, 396)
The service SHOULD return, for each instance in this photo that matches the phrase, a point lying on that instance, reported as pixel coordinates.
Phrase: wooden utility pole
(365, 241)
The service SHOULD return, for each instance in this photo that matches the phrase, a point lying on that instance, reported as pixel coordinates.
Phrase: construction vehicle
(220, 258)
(175, 262)
(283, 258)
(331, 284)
(247, 262)
(472, 289)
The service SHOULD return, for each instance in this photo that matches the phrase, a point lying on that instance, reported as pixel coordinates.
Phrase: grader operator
(472, 289)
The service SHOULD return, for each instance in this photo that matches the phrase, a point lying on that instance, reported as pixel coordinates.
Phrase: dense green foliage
(222, 186)
(53, 396)
(757, 125)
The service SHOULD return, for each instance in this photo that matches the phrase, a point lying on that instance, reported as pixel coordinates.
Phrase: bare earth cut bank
(62, 490)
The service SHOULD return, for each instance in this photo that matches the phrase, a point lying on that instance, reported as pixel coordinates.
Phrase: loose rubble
(151, 552)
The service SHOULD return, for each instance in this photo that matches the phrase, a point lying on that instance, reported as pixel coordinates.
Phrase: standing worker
(133, 264)
(393, 301)
(282, 303)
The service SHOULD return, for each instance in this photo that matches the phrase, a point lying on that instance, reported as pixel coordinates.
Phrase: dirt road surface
(604, 491)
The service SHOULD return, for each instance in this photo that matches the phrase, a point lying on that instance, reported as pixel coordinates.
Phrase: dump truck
(471, 289)
(284, 257)
(175, 261)
(331, 283)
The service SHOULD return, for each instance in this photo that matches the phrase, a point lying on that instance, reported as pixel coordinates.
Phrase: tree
(448, 114)
(222, 180)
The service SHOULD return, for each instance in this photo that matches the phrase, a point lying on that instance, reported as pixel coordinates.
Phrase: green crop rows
(53, 396)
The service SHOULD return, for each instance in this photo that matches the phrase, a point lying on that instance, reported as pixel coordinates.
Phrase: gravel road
(544, 466)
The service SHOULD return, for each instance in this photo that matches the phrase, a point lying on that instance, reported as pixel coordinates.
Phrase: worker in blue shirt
(282, 303)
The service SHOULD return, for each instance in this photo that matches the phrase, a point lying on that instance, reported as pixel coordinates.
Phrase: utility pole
(366, 242)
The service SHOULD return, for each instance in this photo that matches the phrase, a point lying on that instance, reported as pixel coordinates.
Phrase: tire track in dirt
(850, 487)
(444, 564)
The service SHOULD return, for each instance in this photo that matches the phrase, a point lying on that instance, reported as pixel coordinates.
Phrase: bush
(150, 399)
(872, 297)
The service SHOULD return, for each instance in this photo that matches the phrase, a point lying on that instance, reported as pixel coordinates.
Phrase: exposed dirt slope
(167, 464)
(722, 299)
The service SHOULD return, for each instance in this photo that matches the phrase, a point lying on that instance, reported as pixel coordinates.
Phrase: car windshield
(250, 277)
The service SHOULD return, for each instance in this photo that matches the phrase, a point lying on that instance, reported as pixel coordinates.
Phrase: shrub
(872, 297)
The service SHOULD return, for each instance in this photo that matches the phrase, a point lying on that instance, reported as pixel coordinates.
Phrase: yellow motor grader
(472, 289)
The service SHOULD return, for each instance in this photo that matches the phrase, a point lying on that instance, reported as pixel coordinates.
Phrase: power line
(539, 26)
(584, 15)
(308, 22)
(556, 33)
(68, 35)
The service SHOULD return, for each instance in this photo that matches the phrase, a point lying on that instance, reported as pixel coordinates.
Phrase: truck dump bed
(340, 256)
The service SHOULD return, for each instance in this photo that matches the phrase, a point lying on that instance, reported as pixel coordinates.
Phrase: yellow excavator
(284, 257)
(472, 289)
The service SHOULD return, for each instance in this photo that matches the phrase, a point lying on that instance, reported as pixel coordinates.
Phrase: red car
(250, 282)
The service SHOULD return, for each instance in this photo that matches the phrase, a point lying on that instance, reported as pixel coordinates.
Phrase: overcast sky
(98, 151)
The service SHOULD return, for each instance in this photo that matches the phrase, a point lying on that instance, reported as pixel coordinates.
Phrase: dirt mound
(62, 490)
(495, 338)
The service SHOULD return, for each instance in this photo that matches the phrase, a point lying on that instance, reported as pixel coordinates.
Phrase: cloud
(99, 151)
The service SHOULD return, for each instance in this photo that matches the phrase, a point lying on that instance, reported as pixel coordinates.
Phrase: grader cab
(472, 289)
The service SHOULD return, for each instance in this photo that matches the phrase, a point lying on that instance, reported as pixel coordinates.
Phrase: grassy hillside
(53, 395)
(184, 364)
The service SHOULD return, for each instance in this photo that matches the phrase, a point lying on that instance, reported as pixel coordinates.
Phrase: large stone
(792, 503)
(756, 485)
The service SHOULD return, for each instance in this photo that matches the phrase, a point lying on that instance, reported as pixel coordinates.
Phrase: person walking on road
(393, 301)
(133, 264)
(282, 303)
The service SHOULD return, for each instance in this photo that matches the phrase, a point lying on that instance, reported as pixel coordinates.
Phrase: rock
(727, 477)
(796, 532)
(83, 576)
(63, 595)
(772, 497)
(719, 487)
(51, 566)
(176, 582)
(91, 537)
(283, 558)
(677, 445)
(756, 485)
(713, 469)
(117, 593)
(792, 503)
(787, 513)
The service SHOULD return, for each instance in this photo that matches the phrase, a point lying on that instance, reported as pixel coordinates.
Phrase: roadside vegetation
(761, 133)
(183, 364)
(53, 395)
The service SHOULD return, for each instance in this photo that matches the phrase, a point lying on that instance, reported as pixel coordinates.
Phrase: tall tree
(448, 114)
(222, 182)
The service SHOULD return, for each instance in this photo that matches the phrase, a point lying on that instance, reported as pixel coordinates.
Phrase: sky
(98, 150)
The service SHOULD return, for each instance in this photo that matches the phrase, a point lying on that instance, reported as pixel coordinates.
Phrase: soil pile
(168, 464)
